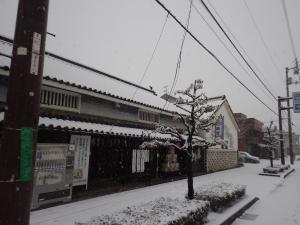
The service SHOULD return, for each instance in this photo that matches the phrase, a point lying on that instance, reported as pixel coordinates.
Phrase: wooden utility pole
(17, 153)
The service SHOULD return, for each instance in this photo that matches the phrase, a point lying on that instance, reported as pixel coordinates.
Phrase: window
(148, 116)
(59, 99)
(139, 158)
(219, 129)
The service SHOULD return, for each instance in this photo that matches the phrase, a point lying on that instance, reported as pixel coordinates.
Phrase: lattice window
(59, 99)
(148, 116)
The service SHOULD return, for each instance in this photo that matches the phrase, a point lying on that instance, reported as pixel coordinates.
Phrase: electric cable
(230, 52)
(238, 51)
(261, 37)
(215, 57)
(289, 28)
(152, 55)
(239, 44)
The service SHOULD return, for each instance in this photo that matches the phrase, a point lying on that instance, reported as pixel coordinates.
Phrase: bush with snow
(220, 195)
(163, 211)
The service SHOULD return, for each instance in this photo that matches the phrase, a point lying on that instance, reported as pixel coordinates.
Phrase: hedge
(163, 211)
(220, 195)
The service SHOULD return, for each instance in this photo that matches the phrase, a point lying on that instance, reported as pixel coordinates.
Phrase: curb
(239, 212)
(288, 173)
(278, 175)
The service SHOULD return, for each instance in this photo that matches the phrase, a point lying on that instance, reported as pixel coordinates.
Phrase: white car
(247, 158)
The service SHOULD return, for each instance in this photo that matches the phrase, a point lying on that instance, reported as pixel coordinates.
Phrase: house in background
(225, 132)
(251, 134)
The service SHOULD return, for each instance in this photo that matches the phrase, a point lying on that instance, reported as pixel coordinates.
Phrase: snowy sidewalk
(281, 206)
(82, 211)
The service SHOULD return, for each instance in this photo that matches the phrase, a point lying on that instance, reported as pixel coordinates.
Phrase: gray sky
(118, 37)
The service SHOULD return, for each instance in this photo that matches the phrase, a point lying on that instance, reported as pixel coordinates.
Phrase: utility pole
(291, 151)
(280, 132)
(288, 82)
(17, 153)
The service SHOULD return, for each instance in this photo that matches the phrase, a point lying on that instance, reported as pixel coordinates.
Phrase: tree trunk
(189, 173)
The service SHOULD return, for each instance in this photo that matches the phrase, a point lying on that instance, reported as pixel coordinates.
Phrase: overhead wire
(238, 51)
(237, 41)
(230, 52)
(215, 57)
(261, 37)
(289, 28)
(178, 64)
(152, 55)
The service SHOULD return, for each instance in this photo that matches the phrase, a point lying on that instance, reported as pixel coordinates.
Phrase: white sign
(296, 102)
(35, 56)
(81, 159)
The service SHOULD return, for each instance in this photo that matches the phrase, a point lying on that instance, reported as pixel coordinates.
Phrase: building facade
(251, 134)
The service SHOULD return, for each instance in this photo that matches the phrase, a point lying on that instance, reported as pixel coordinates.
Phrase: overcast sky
(118, 37)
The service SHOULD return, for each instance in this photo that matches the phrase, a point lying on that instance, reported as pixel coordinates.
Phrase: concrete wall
(220, 159)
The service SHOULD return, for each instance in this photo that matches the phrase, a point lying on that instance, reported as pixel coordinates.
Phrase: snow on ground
(280, 207)
(83, 211)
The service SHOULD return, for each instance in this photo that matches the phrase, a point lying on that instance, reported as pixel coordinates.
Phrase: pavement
(279, 207)
(257, 186)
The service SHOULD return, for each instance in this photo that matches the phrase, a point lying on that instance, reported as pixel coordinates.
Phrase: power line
(239, 44)
(178, 64)
(152, 55)
(229, 39)
(289, 28)
(230, 52)
(81, 66)
(261, 36)
(215, 57)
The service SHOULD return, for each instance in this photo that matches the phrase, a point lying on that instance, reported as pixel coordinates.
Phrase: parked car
(247, 158)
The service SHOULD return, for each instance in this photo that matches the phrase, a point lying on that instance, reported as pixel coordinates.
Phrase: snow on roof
(71, 73)
(216, 102)
(75, 74)
(96, 127)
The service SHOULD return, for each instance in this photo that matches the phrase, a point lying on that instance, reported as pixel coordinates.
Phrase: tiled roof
(68, 72)
(102, 93)
(79, 126)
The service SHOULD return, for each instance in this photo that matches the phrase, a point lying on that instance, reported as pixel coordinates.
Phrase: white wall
(230, 130)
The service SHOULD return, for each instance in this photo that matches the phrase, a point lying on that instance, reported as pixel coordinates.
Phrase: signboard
(81, 159)
(296, 102)
(26, 154)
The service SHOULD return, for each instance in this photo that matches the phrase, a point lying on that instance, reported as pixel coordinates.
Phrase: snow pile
(220, 195)
(163, 211)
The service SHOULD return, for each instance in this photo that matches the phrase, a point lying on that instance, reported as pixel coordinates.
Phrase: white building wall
(230, 129)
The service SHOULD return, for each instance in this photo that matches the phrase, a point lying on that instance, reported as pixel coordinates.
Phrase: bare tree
(271, 137)
(198, 117)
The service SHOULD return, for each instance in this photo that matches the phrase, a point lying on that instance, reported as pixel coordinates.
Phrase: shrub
(220, 195)
(163, 211)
